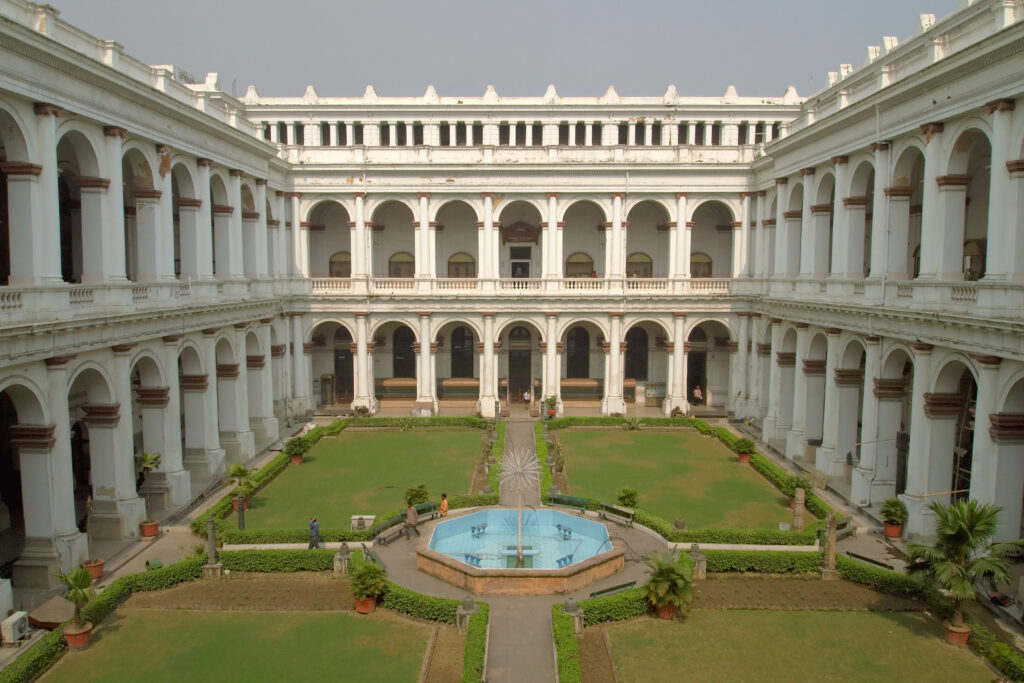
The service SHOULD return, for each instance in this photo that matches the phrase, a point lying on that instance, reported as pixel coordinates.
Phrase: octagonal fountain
(520, 550)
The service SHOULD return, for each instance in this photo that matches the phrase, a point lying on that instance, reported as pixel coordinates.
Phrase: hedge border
(567, 649)
(474, 653)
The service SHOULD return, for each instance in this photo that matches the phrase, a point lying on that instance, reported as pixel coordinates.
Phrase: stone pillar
(300, 382)
(1014, 257)
(261, 266)
(920, 521)
(204, 225)
(422, 253)
(203, 456)
(300, 238)
(880, 235)
(782, 227)
(617, 261)
(552, 383)
(738, 375)
(984, 462)
(117, 508)
(188, 231)
(488, 394)
(26, 245)
(46, 226)
(165, 220)
(1002, 230)
(260, 388)
(828, 458)
(613, 380)
(677, 390)
(552, 268)
(813, 219)
(424, 391)
(760, 255)
(147, 229)
(1006, 432)
(744, 268)
(769, 427)
(795, 437)
(55, 442)
(236, 265)
(864, 473)
(362, 389)
(168, 486)
(370, 382)
(847, 250)
(489, 253)
(934, 207)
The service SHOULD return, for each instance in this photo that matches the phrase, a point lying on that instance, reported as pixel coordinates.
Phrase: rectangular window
(538, 135)
(446, 134)
(503, 134)
(623, 133)
(698, 134)
(520, 134)
(282, 133)
(656, 134)
(460, 134)
(266, 131)
(478, 133)
(716, 134)
(385, 134)
(325, 134)
(342, 134)
(417, 133)
(596, 133)
(641, 134)
(581, 133)
(759, 133)
(400, 137)
(743, 134)
(357, 134)
(300, 134)
(684, 131)
(519, 253)
(563, 133)
(775, 130)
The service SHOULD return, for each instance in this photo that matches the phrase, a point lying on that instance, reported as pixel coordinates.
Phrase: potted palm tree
(367, 583)
(670, 586)
(80, 592)
(744, 449)
(894, 515)
(240, 475)
(551, 402)
(961, 556)
(144, 464)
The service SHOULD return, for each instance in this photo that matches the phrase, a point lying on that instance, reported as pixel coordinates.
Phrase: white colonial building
(182, 272)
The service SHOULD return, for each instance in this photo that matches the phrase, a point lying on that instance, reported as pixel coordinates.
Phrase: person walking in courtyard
(444, 504)
(314, 533)
(698, 395)
(411, 520)
(526, 400)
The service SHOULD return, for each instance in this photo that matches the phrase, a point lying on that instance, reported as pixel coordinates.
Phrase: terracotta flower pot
(957, 635)
(667, 612)
(792, 503)
(893, 530)
(95, 568)
(366, 605)
(149, 528)
(78, 636)
(744, 457)
(234, 503)
(295, 459)
(551, 412)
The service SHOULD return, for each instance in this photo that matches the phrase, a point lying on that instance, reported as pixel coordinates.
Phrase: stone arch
(583, 220)
(646, 360)
(855, 258)
(348, 325)
(969, 161)
(906, 195)
(662, 212)
(708, 347)
(332, 361)
(373, 208)
(438, 207)
(80, 206)
(712, 236)
(647, 233)
(458, 362)
(394, 223)
(456, 233)
(536, 328)
(785, 358)
(190, 359)
(15, 246)
(594, 204)
(329, 233)
(821, 230)
(951, 426)
(219, 185)
(379, 325)
(15, 139)
(601, 326)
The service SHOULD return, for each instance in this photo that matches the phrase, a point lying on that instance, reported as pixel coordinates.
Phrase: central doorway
(519, 363)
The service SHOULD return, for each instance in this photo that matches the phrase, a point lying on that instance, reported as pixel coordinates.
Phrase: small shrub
(631, 423)
(368, 581)
(407, 424)
(894, 511)
(628, 497)
(745, 447)
(415, 495)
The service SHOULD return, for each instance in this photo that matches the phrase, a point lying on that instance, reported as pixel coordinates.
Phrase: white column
(682, 247)
(745, 268)
(489, 256)
(281, 260)
(300, 266)
(781, 266)
(552, 246)
(260, 381)
(828, 459)
(809, 233)
(60, 517)
(165, 221)
(425, 392)
(261, 268)
(847, 252)
(236, 266)
(1003, 232)
(738, 399)
(488, 395)
(758, 266)
(124, 505)
(919, 520)
(933, 214)
(552, 380)
(985, 461)
(362, 389)
(618, 258)
(795, 437)
(880, 234)
(769, 426)
(300, 382)
(361, 265)
(147, 231)
(613, 379)
(47, 224)
(204, 224)
(864, 473)
(422, 242)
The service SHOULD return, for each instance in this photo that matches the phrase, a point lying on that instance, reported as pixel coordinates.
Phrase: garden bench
(393, 527)
(561, 500)
(373, 557)
(613, 589)
(616, 513)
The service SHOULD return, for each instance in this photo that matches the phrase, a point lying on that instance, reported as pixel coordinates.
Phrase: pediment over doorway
(520, 232)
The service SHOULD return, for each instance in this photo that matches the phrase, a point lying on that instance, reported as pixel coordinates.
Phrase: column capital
(222, 209)
(424, 314)
(551, 314)
(1015, 166)
(255, 361)
(1000, 105)
(210, 331)
(1006, 427)
(488, 314)
(618, 195)
(153, 397)
(294, 195)
(434, 346)
(266, 321)
(871, 338)
(162, 148)
(930, 129)
(840, 160)
(890, 389)
(102, 414)
(358, 195)
(171, 338)
(227, 370)
(46, 109)
(552, 195)
(921, 347)
(855, 201)
(781, 181)
(746, 195)
(122, 348)
(774, 321)
(955, 180)
(762, 193)
(832, 331)
(487, 195)
(801, 326)
(679, 314)
(203, 161)
(793, 214)
(240, 326)
(92, 182)
(147, 193)
(20, 168)
(361, 314)
(423, 195)
(807, 171)
(277, 350)
(59, 361)
(764, 350)
(29, 437)
(614, 314)
(899, 192)
(235, 172)
(878, 147)
(261, 181)
(295, 314)
(984, 361)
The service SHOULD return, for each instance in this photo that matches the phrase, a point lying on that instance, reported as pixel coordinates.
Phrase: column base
(860, 487)
(213, 571)
(424, 408)
(116, 520)
(299, 408)
(920, 524)
(795, 445)
(264, 429)
(612, 405)
(204, 464)
(672, 403)
(485, 407)
(77, 545)
(166, 490)
(239, 446)
(882, 489)
(362, 405)
(825, 461)
(38, 565)
(768, 426)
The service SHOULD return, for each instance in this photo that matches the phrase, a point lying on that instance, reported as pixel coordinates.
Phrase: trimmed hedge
(542, 459)
(1007, 660)
(497, 450)
(567, 649)
(470, 422)
(475, 649)
(278, 560)
(420, 606)
(762, 562)
(37, 659)
(625, 605)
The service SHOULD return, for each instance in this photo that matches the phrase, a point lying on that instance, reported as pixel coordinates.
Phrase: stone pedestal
(213, 571)
(466, 609)
(700, 562)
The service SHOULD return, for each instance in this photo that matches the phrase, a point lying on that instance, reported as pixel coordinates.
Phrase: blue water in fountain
(550, 546)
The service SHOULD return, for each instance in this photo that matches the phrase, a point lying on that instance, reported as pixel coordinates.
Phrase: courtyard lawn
(678, 475)
(748, 645)
(365, 473)
(180, 645)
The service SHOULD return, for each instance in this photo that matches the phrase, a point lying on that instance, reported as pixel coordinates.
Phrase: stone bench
(560, 500)
(392, 528)
(616, 513)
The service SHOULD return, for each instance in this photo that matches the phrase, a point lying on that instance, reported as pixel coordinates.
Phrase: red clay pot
(551, 412)
(234, 503)
(893, 530)
(957, 635)
(149, 528)
(78, 637)
(366, 605)
(295, 459)
(792, 503)
(667, 612)
(94, 568)
(744, 457)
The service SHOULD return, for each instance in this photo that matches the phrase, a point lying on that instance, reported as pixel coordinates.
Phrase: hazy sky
(459, 46)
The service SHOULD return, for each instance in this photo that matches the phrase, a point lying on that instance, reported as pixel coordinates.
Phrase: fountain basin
(459, 553)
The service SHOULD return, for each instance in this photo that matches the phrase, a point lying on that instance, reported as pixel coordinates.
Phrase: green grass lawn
(678, 474)
(749, 645)
(180, 645)
(365, 473)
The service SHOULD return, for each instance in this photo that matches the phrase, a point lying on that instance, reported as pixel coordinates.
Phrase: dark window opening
(400, 135)
(503, 134)
(716, 134)
(759, 133)
(563, 133)
(623, 133)
(417, 133)
(775, 130)
(282, 133)
(462, 352)
(684, 132)
(342, 134)
(460, 134)
(577, 353)
(404, 361)
(581, 133)
(300, 134)
(520, 134)
(743, 133)
(596, 133)
(357, 134)
(385, 134)
(639, 136)
(446, 134)
(538, 135)
(698, 134)
(656, 134)
(478, 133)
(325, 134)
(266, 131)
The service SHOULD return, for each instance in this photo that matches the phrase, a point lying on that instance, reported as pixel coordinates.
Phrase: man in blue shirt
(314, 533)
